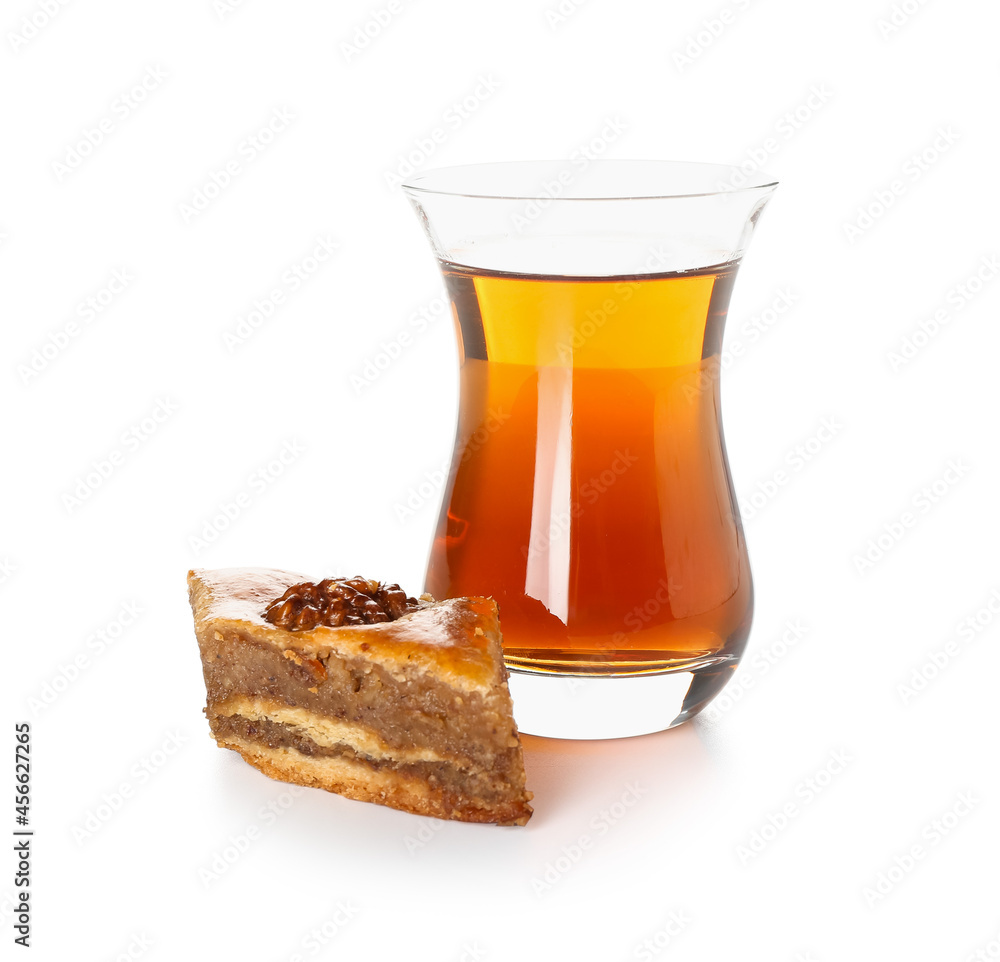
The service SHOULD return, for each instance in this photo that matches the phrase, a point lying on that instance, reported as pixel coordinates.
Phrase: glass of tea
(589, 490)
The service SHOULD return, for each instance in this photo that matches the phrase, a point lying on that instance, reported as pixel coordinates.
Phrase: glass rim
(459, 180)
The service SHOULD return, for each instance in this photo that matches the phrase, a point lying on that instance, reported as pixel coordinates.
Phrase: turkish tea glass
(589, 491)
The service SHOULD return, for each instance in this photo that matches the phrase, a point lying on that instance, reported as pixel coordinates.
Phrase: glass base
(558, 705)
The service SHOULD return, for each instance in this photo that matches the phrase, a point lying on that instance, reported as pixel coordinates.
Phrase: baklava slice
(350, 686)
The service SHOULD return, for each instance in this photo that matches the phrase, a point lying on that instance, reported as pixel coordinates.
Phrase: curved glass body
(589, 492)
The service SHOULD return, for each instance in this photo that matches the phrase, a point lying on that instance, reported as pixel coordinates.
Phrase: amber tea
(596, 505)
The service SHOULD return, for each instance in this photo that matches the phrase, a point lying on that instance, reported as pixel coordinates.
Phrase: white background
(842, 108)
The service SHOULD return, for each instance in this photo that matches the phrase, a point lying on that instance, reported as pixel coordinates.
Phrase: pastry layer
(356, 779)
(487, 785)
(440, 638)
(323, 731)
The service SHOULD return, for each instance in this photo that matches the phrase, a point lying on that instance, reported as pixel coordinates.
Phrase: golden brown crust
(439, 637)
(387, 787)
